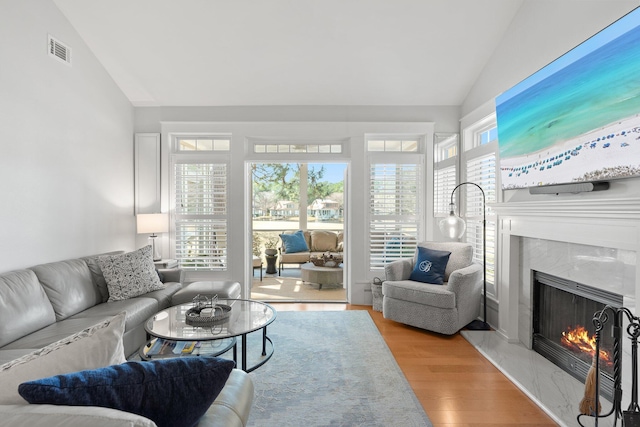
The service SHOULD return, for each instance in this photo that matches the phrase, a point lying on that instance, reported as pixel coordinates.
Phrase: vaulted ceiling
(292, 52)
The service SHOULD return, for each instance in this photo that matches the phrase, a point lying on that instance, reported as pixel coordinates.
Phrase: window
(297, 148)
(445, 172)
(394, 212)
(444, 181)
(395, 198)
(203, 144)
(200, 200)
(480, 168)
(482, 172)
(393, 145)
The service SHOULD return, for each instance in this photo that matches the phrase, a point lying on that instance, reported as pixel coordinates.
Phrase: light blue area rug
(331, 368)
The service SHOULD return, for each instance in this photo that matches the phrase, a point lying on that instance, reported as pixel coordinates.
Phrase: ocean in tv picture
(594, 91)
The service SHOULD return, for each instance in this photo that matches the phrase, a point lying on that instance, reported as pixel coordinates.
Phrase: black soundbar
(578, 187)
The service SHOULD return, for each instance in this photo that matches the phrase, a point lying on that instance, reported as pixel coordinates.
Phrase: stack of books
(162, 347)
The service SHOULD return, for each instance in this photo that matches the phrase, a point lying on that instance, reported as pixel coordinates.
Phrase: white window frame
(445, 171)
(470, 205)
(400, 233)
(214, 256)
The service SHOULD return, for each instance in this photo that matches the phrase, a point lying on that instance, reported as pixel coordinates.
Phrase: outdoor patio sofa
(318, 242)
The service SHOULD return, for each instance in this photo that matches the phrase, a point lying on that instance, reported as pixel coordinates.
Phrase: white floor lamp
(453, 227)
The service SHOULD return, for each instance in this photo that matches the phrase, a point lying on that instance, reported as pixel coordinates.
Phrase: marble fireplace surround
(586, 240)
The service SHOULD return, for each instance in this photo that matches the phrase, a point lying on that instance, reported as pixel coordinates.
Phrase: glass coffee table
(245, 317)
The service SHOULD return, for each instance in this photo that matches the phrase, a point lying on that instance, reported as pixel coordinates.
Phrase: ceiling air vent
(59, 50)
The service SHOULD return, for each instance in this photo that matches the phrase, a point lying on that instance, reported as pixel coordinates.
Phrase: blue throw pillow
(170, 392)
(294, 242)
(430, 266)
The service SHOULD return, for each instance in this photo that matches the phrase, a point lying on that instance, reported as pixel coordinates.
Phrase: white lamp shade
(152, 223)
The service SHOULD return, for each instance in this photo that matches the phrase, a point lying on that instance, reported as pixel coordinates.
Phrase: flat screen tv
(578, 118)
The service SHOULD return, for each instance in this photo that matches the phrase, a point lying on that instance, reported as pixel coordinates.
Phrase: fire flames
(578, 340)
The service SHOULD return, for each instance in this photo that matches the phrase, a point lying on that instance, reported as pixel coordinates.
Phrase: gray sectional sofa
(43, 304)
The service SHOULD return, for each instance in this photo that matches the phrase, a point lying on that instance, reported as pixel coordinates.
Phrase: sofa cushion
(138, 310)
(69, 286)
(430, 266)
(294, 242)
(298, 257)
(419, 293)
(24, 306)
(94, 347)
(323, 241)
(56, 331)
(131, 274)
(171, 392)
(164, 296)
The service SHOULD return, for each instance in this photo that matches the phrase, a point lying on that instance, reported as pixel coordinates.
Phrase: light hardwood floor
(456, 385)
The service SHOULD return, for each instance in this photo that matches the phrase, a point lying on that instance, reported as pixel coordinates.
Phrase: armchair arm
(466, 283)
(467, 279)
(399, 270)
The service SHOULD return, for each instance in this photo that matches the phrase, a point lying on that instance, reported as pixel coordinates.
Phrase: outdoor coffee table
(246, 316)
(321, 275)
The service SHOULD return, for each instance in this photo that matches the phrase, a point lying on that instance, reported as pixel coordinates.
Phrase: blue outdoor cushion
(170, 392)
(294, 242)
(430, 266)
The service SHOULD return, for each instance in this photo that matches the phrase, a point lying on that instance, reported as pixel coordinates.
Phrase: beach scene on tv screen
(578, 119)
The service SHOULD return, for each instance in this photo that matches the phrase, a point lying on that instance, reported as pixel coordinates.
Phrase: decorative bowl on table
(326, 260)
(206, 311)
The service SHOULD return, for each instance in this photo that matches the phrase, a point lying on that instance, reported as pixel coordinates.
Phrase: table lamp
(153, 223)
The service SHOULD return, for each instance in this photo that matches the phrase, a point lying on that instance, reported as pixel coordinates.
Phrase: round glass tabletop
(246, 316)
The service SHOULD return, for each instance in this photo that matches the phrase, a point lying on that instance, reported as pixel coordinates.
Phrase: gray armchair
(445, 308)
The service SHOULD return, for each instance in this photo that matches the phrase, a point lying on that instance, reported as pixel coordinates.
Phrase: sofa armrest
(232, 406)
(399, 270)
(172, 274)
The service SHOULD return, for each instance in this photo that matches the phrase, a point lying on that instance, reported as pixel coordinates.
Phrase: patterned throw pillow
(430, 266)
(130, 275)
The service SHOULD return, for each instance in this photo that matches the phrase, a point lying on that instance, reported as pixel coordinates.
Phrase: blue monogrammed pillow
(430, 266)
(170, 392)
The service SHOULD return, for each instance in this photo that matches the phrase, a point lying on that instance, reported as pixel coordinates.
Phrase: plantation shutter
(481, 171)
(201, 215)
(443, 184)
(394, 212)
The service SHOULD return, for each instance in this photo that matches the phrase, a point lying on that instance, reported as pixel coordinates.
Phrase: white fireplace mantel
(582, 220)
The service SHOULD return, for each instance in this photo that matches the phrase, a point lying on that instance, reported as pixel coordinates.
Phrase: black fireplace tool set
(630, 417)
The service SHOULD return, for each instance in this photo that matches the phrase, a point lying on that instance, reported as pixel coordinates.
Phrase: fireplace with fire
(563, 331)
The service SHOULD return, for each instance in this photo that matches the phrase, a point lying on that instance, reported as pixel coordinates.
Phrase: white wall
(446, 118)
(541, 31)
(66, 147)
